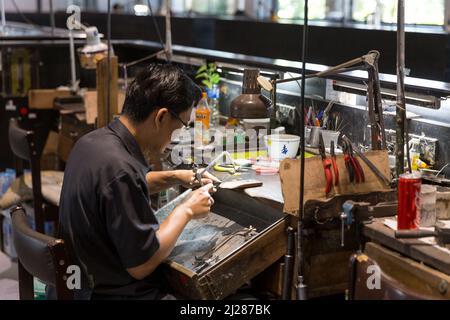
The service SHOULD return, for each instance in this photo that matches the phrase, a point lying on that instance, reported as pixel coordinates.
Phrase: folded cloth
(51, 185)
(21, 189)
(17, 193)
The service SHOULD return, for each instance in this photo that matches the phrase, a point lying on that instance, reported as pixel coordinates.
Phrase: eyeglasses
(185, 125)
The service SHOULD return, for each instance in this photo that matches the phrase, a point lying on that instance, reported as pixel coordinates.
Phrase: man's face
(164, 124)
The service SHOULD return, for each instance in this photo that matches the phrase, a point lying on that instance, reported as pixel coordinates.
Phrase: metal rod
(288, 264)
(168, 31)
(401, 102)
(108, 66)
(52, 17)
(73, 71)
(2, 3)
(329, 72)
(301, 286)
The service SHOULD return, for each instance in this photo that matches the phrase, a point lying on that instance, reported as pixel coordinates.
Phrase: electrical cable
(24, 18)
(158, 32)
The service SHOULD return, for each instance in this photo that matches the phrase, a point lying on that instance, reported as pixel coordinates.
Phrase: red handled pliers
(354, 168)
(335, 167)
(326, 165)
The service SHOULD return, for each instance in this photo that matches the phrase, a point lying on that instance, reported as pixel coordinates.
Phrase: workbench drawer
(232, 265)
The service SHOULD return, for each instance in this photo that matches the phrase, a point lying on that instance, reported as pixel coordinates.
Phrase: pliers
(326, 165)
(356, 173)
(335, 167)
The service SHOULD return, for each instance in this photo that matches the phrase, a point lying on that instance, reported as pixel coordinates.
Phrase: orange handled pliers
(326, 165)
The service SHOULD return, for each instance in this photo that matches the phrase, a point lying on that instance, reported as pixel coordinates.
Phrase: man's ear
(160, 117)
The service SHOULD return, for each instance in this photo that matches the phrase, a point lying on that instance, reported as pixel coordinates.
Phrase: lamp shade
(251, 104)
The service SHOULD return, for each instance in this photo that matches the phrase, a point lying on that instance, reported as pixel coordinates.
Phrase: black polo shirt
(105, 215)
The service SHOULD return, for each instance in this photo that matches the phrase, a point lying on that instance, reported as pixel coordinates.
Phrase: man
(106, 220)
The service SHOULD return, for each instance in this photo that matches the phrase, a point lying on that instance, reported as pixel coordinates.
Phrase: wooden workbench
(415, 249)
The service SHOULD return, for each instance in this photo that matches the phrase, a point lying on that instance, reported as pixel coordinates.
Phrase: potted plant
(211, 79)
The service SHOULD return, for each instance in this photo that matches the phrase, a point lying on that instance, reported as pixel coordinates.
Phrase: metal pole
(108, 92)
(2, 3)
(73, 71)
(168, 31)
(301, 286)
(52, 17)
(401, 102)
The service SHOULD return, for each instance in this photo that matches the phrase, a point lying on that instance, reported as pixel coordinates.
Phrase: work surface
(205, 241)
(414, 248)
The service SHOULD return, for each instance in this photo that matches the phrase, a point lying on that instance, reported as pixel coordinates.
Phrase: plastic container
(443, 203)
(282, 146)
(328, 136)
(314, 136)
(408, 212)
(428, 195)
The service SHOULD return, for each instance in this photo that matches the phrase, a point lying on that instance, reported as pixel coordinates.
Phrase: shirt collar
(128, 140)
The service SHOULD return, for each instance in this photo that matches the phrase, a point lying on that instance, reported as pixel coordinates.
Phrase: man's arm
(158, 181)
(162, 180)
(195, 207)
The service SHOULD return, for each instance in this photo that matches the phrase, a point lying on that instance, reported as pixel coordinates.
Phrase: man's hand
(187, 178)
(199, 202)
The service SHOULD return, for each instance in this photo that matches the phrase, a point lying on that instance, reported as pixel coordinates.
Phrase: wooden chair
(39, 256)
(23, 145)
(390, 288)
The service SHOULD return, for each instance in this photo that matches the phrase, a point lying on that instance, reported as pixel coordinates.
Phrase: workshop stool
(39, 256)
(23, 145)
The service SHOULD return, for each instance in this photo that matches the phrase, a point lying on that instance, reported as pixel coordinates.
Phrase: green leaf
(215, 78)
(207, 83)
(201, 75)
(212, 66)
(202, 69)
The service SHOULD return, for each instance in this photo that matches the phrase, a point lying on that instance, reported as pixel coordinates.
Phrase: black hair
(159, 86)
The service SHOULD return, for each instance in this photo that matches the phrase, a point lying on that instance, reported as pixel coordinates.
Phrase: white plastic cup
(428, 196)
(282, 146)
(328, 136)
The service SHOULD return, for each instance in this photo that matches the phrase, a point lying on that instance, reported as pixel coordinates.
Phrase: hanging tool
(326, 165)
(356, 173)
(369, 163)
(348, 162)
(334, 163)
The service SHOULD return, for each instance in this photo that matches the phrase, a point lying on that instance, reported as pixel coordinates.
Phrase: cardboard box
(43, 98)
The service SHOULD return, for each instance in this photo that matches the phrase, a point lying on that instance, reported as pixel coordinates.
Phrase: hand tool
(326, 165)
(333, 161)
(441, 234)
(348, 162)
(356, 169)
(363, 213)
(369, 163)
(198, 174)
(326, 114)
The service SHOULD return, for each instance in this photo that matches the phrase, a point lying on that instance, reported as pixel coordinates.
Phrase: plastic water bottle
(202, 121)
(213, 99)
